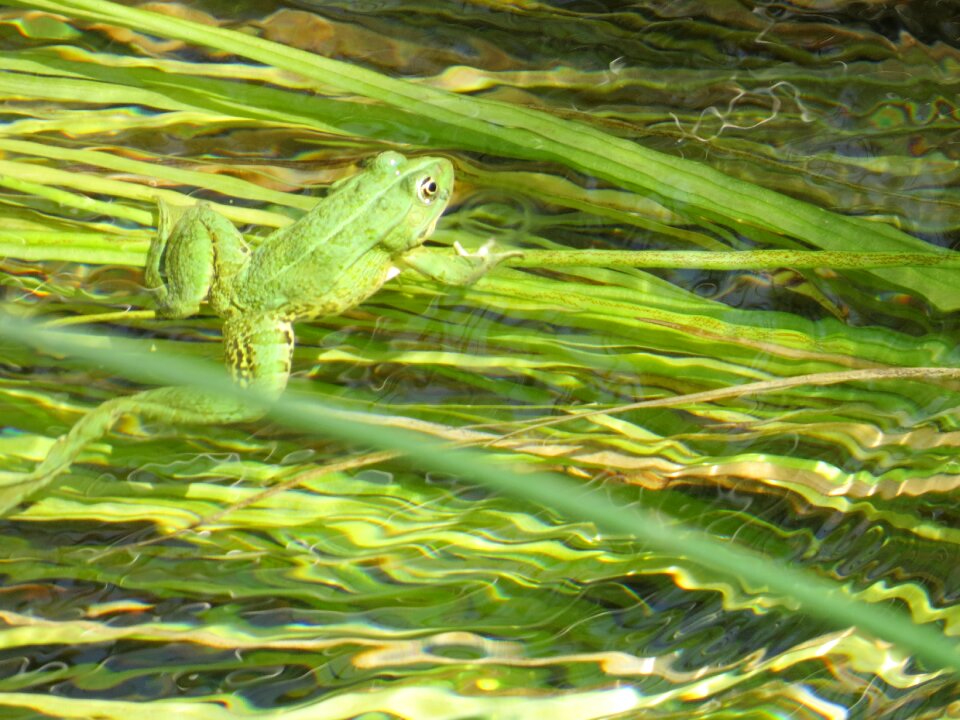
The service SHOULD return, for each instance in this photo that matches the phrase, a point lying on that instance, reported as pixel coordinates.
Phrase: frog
(367, 229)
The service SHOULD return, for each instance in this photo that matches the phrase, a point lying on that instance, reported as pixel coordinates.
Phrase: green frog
(368, 228)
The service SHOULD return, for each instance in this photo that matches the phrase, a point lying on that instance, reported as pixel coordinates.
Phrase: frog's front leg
(193, 258)
(461, 269)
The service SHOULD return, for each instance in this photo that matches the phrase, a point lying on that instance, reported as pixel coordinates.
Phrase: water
(374, 589)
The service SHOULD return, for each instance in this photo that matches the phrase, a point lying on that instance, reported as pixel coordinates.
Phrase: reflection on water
(377, 591)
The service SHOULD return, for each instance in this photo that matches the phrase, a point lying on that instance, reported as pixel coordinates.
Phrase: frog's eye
(427, 189)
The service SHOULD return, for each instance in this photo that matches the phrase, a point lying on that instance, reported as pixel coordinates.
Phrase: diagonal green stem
(815, 595)
(510, 130)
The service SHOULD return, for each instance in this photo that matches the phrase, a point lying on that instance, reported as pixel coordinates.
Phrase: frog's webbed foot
(464, 268)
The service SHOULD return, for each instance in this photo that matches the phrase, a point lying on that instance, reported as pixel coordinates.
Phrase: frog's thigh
(258, 351)
(203, 251)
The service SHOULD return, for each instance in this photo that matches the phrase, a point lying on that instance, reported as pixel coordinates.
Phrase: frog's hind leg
(169, 405)
(193, 259)
(258, 350)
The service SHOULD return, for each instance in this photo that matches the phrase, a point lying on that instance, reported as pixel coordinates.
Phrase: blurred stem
(816, 596)
(734, 260)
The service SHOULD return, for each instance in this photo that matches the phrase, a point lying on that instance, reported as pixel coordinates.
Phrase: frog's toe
(483, 253)
(482, 260)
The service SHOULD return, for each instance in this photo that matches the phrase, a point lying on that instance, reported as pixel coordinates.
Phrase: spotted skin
(333, 258)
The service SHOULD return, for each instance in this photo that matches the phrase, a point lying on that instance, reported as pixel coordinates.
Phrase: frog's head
(416, 192)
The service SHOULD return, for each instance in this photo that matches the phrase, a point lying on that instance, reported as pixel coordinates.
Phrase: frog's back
(342, 251)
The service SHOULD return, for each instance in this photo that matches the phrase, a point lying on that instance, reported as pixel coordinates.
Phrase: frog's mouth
(428, 229)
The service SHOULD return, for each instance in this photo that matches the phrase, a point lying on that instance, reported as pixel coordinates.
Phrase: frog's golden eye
(427, 189)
